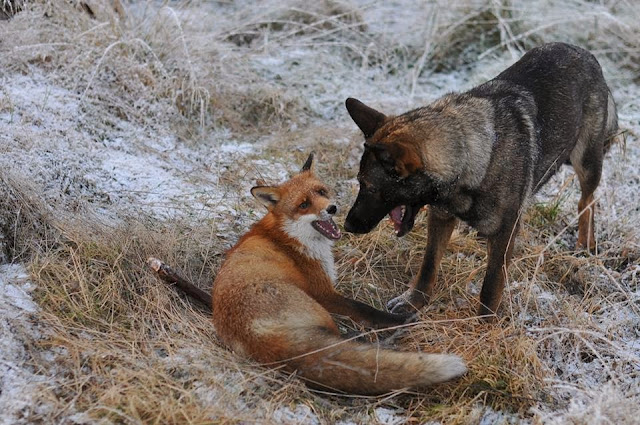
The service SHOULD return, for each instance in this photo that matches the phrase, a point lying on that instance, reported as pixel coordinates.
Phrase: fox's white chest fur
(316, 246)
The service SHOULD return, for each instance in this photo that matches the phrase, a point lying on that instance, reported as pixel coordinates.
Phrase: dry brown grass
(124, 348)
(130, 350)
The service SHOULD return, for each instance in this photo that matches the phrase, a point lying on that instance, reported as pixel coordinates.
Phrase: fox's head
(302, 205)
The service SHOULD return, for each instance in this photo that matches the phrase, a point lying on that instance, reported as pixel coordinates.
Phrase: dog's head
(392, 176)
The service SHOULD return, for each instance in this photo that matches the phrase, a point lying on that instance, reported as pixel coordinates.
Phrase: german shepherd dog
(479, 156)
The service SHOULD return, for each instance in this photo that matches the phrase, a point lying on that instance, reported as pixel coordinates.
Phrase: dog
(479, 156)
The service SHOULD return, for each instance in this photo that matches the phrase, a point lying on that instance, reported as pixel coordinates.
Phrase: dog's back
(574, 106)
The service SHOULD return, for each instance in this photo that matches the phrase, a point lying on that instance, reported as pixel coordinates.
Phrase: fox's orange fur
(273, 297)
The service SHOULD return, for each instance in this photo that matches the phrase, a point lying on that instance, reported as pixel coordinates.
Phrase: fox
(481, 155)
(274, 294)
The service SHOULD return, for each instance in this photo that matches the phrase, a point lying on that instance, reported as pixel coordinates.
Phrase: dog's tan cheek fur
(407, 160)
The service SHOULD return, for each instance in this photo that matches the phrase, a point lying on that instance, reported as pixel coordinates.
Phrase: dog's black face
(383, 191)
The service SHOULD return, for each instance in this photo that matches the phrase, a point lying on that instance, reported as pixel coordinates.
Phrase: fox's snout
(328, 212)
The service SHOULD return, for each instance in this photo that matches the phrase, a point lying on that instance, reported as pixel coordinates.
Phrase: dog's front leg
(440, 225)
(499, 249)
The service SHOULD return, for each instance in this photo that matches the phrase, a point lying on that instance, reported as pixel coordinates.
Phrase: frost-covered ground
(18, 379)
(64, 138)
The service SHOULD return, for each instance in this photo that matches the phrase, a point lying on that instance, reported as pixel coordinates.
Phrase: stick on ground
(172, 277)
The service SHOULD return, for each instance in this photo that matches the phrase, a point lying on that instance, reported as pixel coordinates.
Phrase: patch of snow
(604, 404)
(389, 416)
(19, 381)
(300, 414)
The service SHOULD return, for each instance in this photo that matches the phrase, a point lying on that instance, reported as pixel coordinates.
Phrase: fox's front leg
(361, 312)
(440, 225)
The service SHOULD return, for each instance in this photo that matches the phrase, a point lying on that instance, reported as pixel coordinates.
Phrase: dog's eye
(368, 187)
(304, 205)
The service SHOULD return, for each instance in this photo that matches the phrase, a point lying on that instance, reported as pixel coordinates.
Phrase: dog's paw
(400, 299)
(585, 248)
(403, 308)
(407, 303)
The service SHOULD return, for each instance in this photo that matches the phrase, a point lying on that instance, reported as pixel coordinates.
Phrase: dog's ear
(368, 119)
(395, 158)
(309, 164)
(266, 195)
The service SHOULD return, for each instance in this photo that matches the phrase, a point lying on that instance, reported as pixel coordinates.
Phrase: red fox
(273, 297)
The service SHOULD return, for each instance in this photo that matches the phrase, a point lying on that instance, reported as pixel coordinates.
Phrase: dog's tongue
(396, 216)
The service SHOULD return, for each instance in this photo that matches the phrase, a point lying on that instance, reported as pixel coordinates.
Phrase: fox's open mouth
(403, 218)
(327, 228)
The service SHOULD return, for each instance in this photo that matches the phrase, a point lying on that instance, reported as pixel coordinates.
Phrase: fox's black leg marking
(361, 312)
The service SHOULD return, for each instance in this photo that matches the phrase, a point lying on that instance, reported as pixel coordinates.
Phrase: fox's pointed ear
(266, 195)
(368, 119)
(309, 164)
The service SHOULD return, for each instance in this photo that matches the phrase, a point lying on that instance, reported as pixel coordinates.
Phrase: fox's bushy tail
(326, 360)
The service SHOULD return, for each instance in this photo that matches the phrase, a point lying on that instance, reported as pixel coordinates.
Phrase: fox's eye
(304, 205)
(322, 193)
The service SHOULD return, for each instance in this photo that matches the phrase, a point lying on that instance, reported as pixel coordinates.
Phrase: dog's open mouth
(327, 228)
(403, 218)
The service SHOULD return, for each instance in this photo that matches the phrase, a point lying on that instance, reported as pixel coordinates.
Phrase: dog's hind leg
(439, 227)
(586, 159)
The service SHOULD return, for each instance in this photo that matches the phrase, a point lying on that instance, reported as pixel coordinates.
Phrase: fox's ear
(266, 195)
(368, 119)
(309, 164)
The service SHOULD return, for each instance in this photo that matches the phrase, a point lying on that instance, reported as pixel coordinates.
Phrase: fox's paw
(402, 318)
(407, 303)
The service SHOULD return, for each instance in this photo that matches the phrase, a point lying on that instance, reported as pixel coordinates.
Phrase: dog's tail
(611, 129)
(328, 361)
